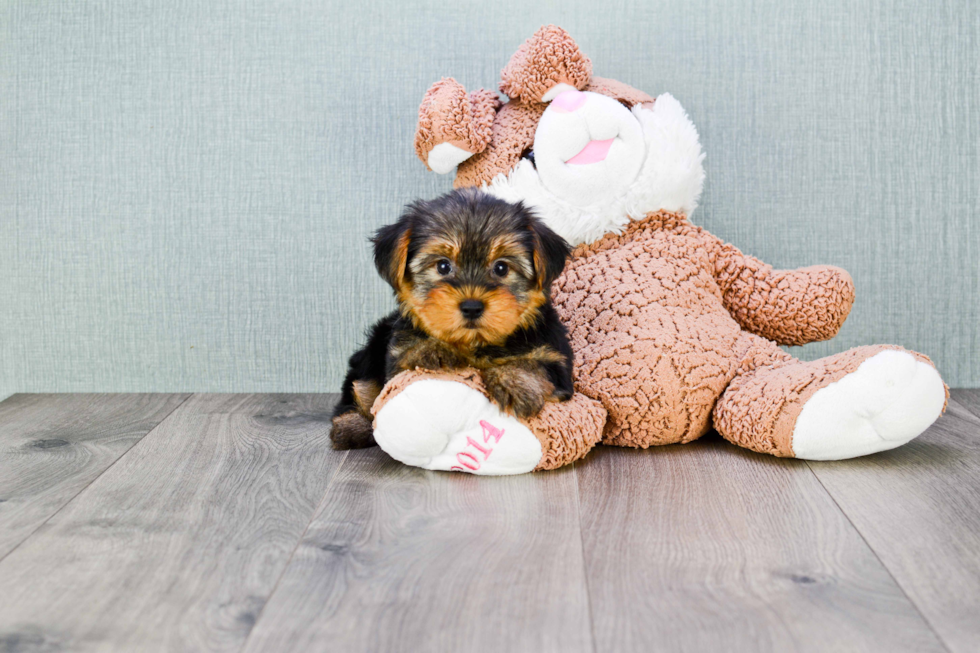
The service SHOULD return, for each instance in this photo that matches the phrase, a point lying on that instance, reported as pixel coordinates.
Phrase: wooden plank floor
(225, 522)
(53, 446)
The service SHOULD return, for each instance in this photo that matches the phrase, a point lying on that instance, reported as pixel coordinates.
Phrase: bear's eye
(444, 267)
(500, 269)
(529, 155)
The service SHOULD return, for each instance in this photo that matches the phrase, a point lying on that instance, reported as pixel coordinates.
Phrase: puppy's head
(468, 268)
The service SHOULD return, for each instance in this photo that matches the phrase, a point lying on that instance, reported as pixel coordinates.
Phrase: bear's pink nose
(568, 101)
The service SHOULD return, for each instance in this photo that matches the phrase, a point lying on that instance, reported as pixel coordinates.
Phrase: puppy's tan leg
(365, 393)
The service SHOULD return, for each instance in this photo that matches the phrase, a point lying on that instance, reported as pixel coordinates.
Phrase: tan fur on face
(511, 302)
(510, 249)
(506, 245)
(539, 266)
(398, 259)
(439, 315)
(535, 300)
(443, 247)
(501, 317)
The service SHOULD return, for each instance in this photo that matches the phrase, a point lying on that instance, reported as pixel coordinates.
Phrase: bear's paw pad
(888, 400)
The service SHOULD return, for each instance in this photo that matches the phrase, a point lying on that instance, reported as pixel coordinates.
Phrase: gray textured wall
(186, 187)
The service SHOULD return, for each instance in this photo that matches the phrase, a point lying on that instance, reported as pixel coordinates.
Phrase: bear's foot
(854, 403)
(446, 425)
(891, 398)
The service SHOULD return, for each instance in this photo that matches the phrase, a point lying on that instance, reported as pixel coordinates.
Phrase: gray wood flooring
(226, 523)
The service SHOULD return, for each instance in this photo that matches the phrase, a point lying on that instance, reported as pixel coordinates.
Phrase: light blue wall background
(186, 187)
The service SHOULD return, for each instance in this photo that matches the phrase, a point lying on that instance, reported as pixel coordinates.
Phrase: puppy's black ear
(391, 251)
(550, 253)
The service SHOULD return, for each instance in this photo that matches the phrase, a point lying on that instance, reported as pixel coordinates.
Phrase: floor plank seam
(968, 406)
(585, 571)
(97, 476)
(891, 575)
(299, 542)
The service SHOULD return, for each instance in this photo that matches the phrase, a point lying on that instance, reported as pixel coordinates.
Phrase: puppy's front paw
(431, 355)
(562, 395)
(517, 390)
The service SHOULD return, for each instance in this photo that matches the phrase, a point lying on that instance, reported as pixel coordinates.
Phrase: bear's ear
(453, 125)
(546, 64)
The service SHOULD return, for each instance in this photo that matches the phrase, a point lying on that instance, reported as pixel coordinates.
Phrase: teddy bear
(674, 331)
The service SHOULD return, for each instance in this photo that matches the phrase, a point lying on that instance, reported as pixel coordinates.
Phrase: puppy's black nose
(471, 308)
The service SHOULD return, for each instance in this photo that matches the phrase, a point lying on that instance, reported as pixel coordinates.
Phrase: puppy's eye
(444, 267)
(500, 269)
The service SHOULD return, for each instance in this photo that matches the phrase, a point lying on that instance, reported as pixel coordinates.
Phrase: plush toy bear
(674, 331)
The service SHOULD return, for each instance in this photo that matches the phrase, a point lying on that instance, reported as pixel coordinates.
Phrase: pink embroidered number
(468, 460)
(491, 431)
(481, 449)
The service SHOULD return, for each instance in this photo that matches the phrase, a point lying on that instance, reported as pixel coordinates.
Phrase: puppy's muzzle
(471, 309)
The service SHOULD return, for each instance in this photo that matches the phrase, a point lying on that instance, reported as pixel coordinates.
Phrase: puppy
(472, 275)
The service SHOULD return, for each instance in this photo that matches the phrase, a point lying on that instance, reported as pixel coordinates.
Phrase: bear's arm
(791, 307)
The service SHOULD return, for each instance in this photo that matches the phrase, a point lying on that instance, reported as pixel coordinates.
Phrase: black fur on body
(472, 274)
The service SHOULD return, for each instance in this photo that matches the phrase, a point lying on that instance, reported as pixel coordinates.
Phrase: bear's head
(588, 154)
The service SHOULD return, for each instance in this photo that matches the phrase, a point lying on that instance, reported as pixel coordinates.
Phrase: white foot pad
(888, 400)
(445, 425)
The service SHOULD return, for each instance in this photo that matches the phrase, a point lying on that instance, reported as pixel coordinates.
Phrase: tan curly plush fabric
(513, 133)
(548, 58)
(567, 431)
(652, 314)
(449, 115)
(791, 307)
(618, 91)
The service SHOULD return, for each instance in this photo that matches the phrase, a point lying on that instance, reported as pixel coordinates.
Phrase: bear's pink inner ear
(453, 125)
(547, 59)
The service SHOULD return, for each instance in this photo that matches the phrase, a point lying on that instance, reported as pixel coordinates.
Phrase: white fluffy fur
(671, 179)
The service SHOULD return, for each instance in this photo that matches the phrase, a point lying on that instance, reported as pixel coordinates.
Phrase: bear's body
(674, 331)
(655, 344)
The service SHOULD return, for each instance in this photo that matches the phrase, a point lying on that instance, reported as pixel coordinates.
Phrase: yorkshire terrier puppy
(472, 275)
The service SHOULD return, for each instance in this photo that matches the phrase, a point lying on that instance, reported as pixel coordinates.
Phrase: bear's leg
(855, 403)
(445, 421)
